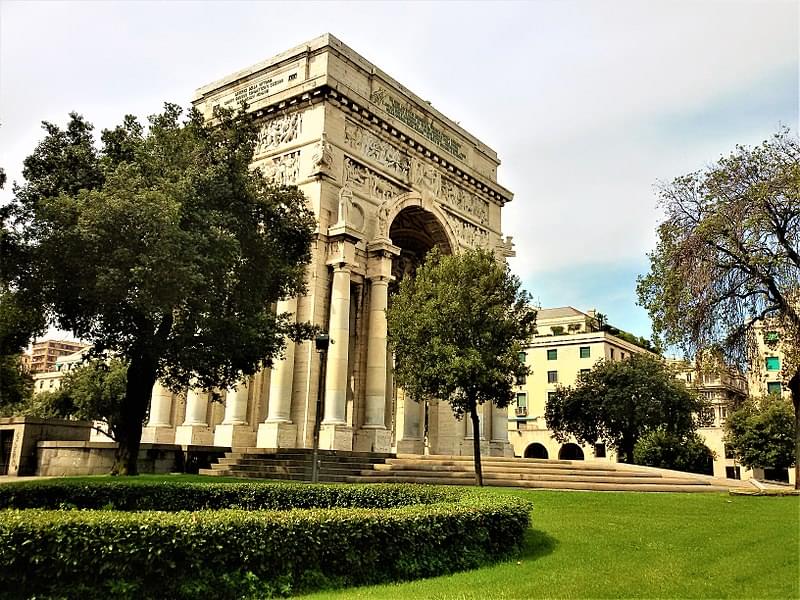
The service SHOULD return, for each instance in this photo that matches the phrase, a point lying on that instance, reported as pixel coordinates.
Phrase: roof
(558, 313)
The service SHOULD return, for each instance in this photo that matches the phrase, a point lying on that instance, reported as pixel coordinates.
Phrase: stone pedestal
(276, 434)
(376, 439)
(195, 429)
(410, 446)
(234, 430)
(499, 445)
(159, 429)
(336, 437)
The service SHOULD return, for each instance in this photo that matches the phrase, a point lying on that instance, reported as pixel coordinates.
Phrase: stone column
(335, 433)
(278, 431)
(195, 429)
(409, 425)
(499, 444)
(159, 429)
(234, 430)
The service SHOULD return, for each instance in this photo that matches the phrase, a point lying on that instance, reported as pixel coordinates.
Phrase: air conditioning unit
(522, 411)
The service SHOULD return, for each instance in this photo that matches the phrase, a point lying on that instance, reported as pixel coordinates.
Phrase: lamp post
(321, 343)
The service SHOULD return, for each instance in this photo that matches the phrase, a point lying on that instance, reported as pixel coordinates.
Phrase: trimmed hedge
(234, 553)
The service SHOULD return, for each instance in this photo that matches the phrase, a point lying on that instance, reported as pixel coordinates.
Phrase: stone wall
(28, 431)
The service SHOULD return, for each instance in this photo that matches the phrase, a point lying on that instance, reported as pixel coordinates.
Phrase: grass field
(629, 545)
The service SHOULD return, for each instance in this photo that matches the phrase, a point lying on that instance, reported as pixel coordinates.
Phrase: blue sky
(589, 103)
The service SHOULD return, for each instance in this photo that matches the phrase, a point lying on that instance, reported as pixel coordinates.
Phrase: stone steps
(337, 466)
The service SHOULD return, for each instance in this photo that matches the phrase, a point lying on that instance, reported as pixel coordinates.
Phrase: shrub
(667, 451)
(364, 534)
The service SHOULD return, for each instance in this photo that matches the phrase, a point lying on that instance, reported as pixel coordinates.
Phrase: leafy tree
(16, 384)
(680, 452)
(160, 247)
(618, 402)
(761, 433)
(728, 255)
(460, 343)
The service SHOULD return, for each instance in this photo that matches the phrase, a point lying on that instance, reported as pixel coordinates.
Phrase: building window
(728, 452)
(688, 378)
(522, 356)
(599, 450)
(622, 356)
(612, 354)
(552, 377)
(585, 371)
(733, 473)
(552, 354)
(522, 379)
(772, 336)
(774, 387)
(522, 400)
(550, 396)
(585, 351)
(773, 363)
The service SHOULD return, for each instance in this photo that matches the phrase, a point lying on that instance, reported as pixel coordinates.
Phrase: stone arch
(536, 450)
(390, 209)
(570, 452)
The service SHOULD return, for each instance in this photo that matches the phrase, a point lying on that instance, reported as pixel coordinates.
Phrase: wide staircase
(540, 474)
(355, 467)
(293, 464)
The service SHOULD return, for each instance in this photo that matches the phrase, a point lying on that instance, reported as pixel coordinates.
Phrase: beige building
(568, 341)
(44, 354)
(50, 381)
(765, 375)
(388, 177)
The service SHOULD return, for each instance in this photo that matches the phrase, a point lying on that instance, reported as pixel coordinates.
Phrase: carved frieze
(282, 170)
(381, 151)
(468, 233)
(278, 131)
(427, 177)
(368, 183)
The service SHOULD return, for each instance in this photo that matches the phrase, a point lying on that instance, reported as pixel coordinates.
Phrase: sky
(589, 104)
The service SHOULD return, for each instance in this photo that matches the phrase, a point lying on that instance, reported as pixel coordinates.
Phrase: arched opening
(570, 452)
(415, 231)
(707, 466)
(536, 450)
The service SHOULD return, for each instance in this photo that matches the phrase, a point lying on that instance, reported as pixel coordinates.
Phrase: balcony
(521, 411)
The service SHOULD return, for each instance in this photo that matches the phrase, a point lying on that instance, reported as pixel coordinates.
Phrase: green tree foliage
(618, 402)
(686, 452)
(460, 342)
(16, 384)
(728, 254)
(761, 433)
(160, 247)
(93, 391)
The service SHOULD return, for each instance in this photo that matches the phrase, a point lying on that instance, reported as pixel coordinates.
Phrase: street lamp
(321, 343)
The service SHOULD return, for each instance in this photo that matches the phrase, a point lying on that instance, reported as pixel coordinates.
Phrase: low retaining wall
(58, 458)
(20, 456)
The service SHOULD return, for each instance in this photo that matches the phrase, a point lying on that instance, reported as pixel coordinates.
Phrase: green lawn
(629, 545)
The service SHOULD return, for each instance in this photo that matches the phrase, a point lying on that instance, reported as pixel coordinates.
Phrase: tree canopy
(161, 247)
(760, 433)
(728, 255)
(686, 452)
(460, 342)
(617, 402)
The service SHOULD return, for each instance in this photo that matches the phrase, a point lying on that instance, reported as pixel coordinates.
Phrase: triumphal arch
(388, 177)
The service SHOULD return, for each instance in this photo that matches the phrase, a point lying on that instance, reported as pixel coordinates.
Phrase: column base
(466, 447)
(336, 437)
(277, 435)
(410, 446)
(373, 440)
(234, 436)
(158, 435)
(194, 435)
(497, 448)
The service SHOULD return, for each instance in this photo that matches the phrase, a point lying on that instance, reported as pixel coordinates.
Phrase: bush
(348, 535)
(667, 451)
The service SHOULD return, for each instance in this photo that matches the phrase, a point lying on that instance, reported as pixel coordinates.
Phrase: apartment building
(44, 353)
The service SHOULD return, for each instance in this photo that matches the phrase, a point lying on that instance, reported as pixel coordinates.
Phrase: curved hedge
(344, 535)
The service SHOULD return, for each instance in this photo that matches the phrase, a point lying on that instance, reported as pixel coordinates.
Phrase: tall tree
(460, 342)
(728, 255)
(760, 433)
(162, 248)
(618, 402)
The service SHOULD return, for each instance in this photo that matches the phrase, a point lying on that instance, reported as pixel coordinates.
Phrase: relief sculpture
(427, 177)
(467, 233)
(361, 179)
(278, 131)
(282, 170)
(381, 151)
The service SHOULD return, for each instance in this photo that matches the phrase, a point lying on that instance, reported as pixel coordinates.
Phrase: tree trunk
(626, 449)
(139, 388)
(794, 387)
(476, 442)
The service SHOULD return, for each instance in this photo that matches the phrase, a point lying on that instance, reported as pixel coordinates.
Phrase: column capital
(382, 248)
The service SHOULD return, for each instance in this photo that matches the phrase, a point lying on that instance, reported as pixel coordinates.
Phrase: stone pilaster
(195, 429)
(499, 444)
(410, 423)
(159, 429)
(234, 430)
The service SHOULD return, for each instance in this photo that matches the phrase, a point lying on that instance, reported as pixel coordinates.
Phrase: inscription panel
(260, 87)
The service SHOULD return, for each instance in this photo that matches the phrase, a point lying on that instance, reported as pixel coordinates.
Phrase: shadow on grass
(537, 544)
